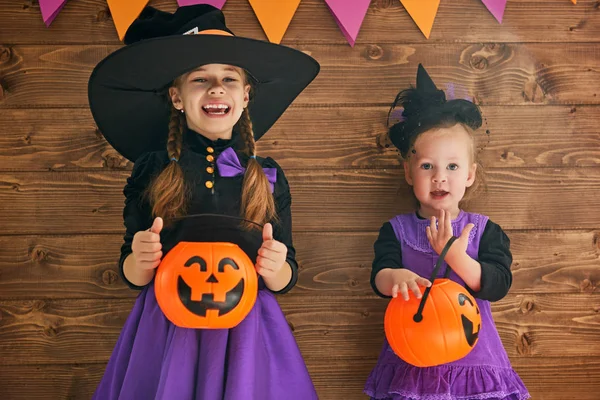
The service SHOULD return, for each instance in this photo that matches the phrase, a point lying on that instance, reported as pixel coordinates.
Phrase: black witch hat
(425, 107)
(127, 89)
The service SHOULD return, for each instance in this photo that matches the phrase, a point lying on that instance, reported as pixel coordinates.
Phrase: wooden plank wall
(537, 76)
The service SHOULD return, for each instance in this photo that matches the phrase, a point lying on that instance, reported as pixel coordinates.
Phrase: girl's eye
(200, 80)
(230, 79)
(426, 166)
(452, 167)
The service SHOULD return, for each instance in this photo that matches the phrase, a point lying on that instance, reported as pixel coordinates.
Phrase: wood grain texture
(89, 21)
(536, 76)
(348, 200)
(562, 378)
(85, 266)
(334, 137)
(494, 73)
(349, 327)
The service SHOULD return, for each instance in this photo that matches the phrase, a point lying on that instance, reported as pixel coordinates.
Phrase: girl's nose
(439, 178)
(216, 88)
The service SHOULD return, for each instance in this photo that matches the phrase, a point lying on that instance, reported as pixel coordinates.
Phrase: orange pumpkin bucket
(207, 285)
(443, 326)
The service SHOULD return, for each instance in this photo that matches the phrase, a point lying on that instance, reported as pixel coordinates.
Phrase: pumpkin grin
(199, 307)
(467, 324)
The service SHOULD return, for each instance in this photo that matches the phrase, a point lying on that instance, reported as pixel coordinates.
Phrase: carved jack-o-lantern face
(469, 317)
(206, 285)
(447, 329)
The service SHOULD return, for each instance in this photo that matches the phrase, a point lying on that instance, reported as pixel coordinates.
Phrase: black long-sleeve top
(210, 193)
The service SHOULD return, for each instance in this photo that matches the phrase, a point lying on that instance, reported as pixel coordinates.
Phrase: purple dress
(485, 373)
(156, 360)
(256, 360)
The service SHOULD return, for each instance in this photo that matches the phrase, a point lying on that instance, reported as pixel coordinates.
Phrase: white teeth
(216, 106)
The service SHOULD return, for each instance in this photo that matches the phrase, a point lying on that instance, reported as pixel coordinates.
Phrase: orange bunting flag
(274, 16)
(423, 12)
(124, 12)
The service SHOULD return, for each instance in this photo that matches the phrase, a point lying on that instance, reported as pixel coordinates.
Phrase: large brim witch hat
(424, 107)
(127, 90)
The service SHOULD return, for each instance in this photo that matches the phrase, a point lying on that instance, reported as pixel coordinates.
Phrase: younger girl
(435, 139)
(185, 100)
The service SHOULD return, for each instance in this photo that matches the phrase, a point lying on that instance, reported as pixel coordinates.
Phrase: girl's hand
(271, 255)
(404, 280)
(146, 246)
(439, 234)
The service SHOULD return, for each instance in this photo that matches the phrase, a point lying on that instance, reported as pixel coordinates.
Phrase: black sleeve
(282, 227)
(495, 259)
(137, 215)
(388, 253)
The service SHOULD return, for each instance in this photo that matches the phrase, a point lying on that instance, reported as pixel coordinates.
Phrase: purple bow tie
(229, 166)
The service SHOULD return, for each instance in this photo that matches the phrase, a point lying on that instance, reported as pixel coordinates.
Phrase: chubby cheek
(420, 181)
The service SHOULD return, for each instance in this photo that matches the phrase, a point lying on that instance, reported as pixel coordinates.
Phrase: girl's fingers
(268, 264)
(395, 291)
(449, 231)
(148, 264)
(433, 226)
(149, 237)
(429, 236)
(442, 223)
(267, 255)
(149, 257)
(423, 282)
(415, 289)
(151, 248)
(403, 290)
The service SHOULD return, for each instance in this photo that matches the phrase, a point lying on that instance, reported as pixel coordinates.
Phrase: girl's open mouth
(216, 109)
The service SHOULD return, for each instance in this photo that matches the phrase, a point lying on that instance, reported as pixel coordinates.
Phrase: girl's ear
(246, 95)
(472, 174)
(407, 175)
(176, 98)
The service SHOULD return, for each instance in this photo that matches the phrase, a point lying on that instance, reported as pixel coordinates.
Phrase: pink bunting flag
(496, 7)
(216, 3)
(349, 15)
(50, 9)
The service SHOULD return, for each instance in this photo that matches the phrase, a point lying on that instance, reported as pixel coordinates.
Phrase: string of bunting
(275, 17)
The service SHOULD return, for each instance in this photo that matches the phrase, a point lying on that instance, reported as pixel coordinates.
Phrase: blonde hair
(169, 194)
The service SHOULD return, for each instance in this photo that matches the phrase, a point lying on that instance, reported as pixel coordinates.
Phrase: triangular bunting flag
(423, 12)
(50, 9)
(574, 1)
(496, 7)
(215, 3)
(349, 15)
(274, 16)
(124, 13)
